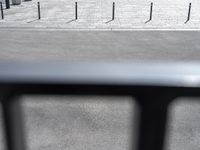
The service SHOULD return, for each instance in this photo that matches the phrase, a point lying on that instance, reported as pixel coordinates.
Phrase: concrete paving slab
(38, 45)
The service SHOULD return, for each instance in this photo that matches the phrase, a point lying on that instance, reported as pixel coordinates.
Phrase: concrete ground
(63, 45)
(99, 122)
(96, 14)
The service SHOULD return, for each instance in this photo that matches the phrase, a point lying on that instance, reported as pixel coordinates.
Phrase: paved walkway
(60, 45)
(93, 14)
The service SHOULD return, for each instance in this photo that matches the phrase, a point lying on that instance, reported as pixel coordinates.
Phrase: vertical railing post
(39, 15)
(189, 11)
(151, 11)
(2, 15)
(76, 11)
(113, 11)
(13, 121)
(153, 120)
(7, 4)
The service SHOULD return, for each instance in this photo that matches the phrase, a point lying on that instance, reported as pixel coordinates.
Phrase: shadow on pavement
(71, 20)
(32, 21)
(109, 21)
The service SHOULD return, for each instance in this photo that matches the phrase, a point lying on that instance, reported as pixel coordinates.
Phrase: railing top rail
(130, 74)
(154, 85)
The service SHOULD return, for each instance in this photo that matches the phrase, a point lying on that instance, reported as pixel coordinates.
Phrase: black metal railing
(153, 85)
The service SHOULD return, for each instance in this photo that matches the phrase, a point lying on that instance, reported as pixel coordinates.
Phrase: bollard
(7, 4)
(151, 11)
(189, 10)
(2, 15)
(76, 11)
(39, 16)
(113, 11)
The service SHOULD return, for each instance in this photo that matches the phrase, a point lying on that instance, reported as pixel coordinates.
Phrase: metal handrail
(154, 85)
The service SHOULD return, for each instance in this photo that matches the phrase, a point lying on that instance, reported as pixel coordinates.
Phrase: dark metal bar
(151, 11)
(152, 128)
(189, 11)
(13, 120)
(76, 10)
(39, 15)
(153, 120)
(113, 11)
(2, 14)
(7, 4)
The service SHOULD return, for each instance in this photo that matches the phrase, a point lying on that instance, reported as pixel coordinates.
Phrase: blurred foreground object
(154, 85)
(16, 2)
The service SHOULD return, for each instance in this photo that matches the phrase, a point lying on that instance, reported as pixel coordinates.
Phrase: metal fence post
(39, 16)
(76, 10)
(189, 10)
(151, 11)
(113, 11)
(153, 120)
(13, 122)
(7, 4)
(2, 15)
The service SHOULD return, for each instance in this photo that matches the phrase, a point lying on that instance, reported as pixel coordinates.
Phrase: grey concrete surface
(77, 123)
(92, 122)
(183, 129)
(38, 45)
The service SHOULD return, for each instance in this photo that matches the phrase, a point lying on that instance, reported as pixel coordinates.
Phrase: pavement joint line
(91, 29)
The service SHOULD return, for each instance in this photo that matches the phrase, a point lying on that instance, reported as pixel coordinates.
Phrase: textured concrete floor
(78, 122)
(99, 122)
(55, 45)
